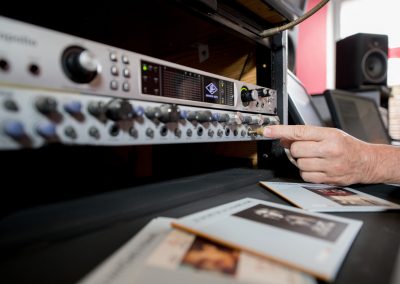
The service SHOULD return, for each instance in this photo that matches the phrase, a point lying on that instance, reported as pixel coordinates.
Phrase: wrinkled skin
(329, 155)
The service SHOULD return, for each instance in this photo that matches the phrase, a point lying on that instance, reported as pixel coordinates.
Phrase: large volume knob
(79, 64)
(248, 95)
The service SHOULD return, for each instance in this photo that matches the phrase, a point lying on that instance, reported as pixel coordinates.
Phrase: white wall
(372, 16)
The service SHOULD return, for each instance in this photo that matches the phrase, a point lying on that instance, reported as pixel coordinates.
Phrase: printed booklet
(314, 243)
(328, 198)
(161, 254)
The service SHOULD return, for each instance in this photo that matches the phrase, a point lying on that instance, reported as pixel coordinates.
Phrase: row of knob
(15, 129)
(119, 109)
(248, 95)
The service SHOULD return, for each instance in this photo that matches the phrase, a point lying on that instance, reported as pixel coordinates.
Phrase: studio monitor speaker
(361, 60)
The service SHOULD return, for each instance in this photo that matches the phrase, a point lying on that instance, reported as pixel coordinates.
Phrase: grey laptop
(301, 108)
(358, 116)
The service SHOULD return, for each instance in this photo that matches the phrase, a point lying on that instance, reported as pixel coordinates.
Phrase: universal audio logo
(211, 88)
(19, 39)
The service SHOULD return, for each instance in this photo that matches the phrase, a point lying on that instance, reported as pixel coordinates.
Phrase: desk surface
(62, 242)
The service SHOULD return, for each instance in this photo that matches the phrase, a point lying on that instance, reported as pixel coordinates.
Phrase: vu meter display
(159, 80)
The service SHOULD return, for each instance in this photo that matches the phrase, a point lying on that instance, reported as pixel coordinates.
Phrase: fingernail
(267, 132)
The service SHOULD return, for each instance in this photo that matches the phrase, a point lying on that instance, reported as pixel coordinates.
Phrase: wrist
(372, 172)
(382, 164)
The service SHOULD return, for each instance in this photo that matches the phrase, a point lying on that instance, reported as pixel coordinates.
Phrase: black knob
(263, 92)
(248, 95)
(191, 115)
(46, 105)
(10, 105)
(200, 116)
(274, 121)
(169, 113)
(97, 108)
(152, 112)
(266, 121)
(246, 120)
(79, 64)
(223, 118)
(119, 109)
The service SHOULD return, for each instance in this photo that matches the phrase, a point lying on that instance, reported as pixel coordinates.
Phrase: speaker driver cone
(374, 65)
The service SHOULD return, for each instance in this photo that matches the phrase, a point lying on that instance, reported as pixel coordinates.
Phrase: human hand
(326, 155)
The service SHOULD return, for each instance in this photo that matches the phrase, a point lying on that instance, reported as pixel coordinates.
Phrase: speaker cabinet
(361, 60)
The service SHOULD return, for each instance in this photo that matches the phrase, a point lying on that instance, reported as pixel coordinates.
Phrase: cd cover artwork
(312, 226)
(314, 243)
(328, 198)
(161, 254)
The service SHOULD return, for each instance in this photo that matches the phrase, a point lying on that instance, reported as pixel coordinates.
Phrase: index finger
(296, 132)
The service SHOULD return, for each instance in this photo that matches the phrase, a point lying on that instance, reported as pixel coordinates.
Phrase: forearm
(385, 164)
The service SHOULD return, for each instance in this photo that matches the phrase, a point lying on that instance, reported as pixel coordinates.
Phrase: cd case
(161, 254)
(328, 198)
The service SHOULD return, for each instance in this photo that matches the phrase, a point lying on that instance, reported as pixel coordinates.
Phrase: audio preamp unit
(60, 88)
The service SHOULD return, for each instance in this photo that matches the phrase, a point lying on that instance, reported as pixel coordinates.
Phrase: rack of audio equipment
(186, 38)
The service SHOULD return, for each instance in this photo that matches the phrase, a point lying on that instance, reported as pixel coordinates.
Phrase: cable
(270, 32)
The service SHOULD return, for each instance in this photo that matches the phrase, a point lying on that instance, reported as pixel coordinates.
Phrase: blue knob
(15, 129)
(183, 114)
(73, 107)
(47, 129)
(139, 111)
(215, 117)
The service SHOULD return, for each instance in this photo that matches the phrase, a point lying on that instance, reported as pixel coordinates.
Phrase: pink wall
(311, 61)
(394, 52)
